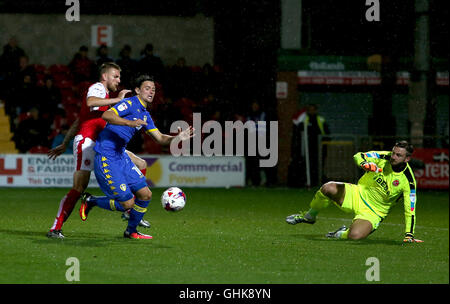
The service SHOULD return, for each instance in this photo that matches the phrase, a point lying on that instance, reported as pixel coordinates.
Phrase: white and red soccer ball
(173, 199)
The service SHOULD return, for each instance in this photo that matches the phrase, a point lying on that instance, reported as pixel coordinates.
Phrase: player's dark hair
(106, 66)
(141, 79)
(405, 145)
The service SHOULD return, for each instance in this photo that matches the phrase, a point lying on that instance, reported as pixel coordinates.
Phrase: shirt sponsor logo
(122, 107)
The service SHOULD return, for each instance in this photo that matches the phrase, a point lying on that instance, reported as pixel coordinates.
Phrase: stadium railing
(335, 159)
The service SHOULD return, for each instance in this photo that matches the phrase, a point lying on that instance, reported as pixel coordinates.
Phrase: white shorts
(83, 152)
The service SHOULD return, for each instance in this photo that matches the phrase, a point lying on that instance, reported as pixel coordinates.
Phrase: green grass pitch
(222, 236)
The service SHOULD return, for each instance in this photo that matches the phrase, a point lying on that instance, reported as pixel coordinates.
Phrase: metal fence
(335, 161)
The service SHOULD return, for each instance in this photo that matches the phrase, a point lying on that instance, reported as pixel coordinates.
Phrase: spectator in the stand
(207, 106)
(9, 66)
(256, 176)
(21, 83)
(25, 69)
(81, 66)
(31, 132)
(22, 99)
(151, 64)
(208, 80)
(180, 79)
(10, 56)
(102, 55)
(128, 66)
(59, 138)
(49, 98)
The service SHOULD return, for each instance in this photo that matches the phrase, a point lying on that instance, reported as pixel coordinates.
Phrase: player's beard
(112, 87)
(398, 167)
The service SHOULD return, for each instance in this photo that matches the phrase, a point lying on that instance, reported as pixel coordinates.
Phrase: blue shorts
(118, 177)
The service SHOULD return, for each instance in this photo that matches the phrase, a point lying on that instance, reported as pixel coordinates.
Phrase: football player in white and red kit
(87, 127)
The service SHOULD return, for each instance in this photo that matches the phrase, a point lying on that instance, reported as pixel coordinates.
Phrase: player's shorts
(354, 202)
(83, 152)
(118, 178)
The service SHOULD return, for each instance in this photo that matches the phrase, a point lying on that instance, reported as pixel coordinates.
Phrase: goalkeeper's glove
(370, 167)
(409, 238)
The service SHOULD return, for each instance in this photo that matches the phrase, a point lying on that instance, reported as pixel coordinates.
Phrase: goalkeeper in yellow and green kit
(388, 180)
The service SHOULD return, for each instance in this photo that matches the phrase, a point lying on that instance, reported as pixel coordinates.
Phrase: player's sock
(342, 234)
(319, 202)
(106, 203)
(136, 214)
(66, 207)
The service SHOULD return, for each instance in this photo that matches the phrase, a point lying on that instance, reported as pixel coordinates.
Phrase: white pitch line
(384, 224)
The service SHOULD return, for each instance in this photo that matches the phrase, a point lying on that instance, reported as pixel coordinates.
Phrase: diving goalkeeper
(388, 180)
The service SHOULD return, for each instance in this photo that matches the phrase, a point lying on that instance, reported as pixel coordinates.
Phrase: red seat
(196, 69)
(59, 69)
(71, 108)
(40, 76)
(63, 83)
(40, 83)
(71, 116)
(39, 68)
(38, 150)
(83, 87)
(66, 92)
(23, 116)
(69, 100)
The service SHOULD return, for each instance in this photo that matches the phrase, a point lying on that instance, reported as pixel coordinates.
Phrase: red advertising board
(433, 170)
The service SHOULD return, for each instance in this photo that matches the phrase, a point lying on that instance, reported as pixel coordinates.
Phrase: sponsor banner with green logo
(352, 70)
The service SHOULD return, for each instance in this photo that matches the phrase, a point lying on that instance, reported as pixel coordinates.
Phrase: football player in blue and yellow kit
(388, 179)
(121, 181)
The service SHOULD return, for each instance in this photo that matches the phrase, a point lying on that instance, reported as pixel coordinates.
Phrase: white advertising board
(36, 170)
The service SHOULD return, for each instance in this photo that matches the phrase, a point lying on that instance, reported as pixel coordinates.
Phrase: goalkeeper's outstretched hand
(371, 167)
(409, 238)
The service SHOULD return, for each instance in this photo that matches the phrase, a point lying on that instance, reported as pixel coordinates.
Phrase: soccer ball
(173, 199)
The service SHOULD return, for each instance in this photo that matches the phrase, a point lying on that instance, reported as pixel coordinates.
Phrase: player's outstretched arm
(113, 118)
(93, 101)
(165, 139)
(365, 163)
(60, 149)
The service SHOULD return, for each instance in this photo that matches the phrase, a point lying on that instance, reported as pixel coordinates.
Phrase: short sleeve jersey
(113, 140)
(91, 122)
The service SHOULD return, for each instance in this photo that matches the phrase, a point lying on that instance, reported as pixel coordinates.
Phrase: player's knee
(356, 235)
(329, 189)
(128, 204)
(79, 188)
(80, 181)
(145, 195)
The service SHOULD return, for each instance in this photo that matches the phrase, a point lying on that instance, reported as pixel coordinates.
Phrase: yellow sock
(319, 202)
(344, 234)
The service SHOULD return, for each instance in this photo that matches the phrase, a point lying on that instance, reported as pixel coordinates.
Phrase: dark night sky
(337, 27)
(247, 33)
